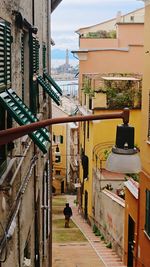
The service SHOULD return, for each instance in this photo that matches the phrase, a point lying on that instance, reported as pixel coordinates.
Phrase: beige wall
(130, 34)
(24, 148)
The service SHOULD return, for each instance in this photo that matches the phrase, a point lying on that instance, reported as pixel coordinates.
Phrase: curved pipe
(11, 134)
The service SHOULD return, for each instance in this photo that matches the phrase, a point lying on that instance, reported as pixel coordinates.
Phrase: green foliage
(134, 176)
(109, 245)
(108, 187)
(102, 34)
(106, 153)
(94, 228)
(87, 87)
(76, 202)
(98, 233)
(102, 237)
(122, 93)
(117, 99)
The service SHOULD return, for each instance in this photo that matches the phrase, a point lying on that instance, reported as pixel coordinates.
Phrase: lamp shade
(124, 157)
(123, 163)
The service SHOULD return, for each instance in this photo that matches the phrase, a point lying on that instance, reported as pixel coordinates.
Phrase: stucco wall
(24, 148)
(109, 217)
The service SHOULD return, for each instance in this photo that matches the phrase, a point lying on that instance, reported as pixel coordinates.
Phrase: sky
(70, 15)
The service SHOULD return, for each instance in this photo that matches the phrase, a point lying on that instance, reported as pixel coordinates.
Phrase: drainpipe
(36, 246)
(50, 130)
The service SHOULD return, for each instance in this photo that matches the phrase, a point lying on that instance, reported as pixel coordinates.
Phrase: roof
(120, 78)
(106, 21)
(124, 49)
(54, 4)
(133, 187)
(112, 176)
(114, 197)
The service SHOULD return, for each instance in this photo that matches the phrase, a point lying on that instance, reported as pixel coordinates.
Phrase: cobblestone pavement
(86, 254)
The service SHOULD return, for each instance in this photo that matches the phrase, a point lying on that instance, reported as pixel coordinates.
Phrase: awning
(52, 82)
(109, 78)
(23, 116)
(48, 90)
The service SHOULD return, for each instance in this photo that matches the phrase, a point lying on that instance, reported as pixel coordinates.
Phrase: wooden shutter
(44, 57)
(61, 139)
(5, 55)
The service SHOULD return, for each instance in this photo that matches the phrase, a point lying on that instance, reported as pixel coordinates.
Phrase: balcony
(112, 91)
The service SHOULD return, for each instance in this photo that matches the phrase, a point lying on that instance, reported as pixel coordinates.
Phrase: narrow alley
(78, 246)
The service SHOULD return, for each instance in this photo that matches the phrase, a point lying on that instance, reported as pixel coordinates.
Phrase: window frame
(147, 213)
(5, 83)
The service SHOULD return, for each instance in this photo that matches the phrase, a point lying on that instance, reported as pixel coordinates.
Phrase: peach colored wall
(130, 34)
(97, 43)
(114, 61)
(144, 241)
(145, 148)
(131, 208)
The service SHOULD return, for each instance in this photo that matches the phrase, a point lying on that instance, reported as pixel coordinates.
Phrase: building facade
(110, 78)
(143, 244)
(25, 97)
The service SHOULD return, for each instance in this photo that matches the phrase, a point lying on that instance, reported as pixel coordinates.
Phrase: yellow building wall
(57, 130)
(101, 132)
(144, 241)
(145, 148)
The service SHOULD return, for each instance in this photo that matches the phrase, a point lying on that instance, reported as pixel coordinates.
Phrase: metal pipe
(11, 134)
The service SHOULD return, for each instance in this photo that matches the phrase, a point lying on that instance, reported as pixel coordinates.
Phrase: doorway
(86, 205)
(62, 187)
(131, 228)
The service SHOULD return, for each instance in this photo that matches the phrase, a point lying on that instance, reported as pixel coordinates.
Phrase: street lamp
(124, 154)
(124, 157)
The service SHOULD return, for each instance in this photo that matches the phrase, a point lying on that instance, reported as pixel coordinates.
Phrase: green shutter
(61, 139)
(34, 70)
(44, 57)
(52, 82)
(36, 46)
(54, 138)
(48, 89)
(19, 111)
(22, 64)
(5, 55)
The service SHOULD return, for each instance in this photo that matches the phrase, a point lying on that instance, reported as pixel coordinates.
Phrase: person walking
(68, 213)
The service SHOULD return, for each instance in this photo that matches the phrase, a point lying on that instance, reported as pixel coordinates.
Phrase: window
(90, 103)
(29, 70)
(34, 70)
(5, 55)
(147, 217)
(25, 68)
(5, 83)
(45, 206)
(88, 129)
(132, 18)
(3, 152)
(58, 139)
(85, 165)
(57, 172)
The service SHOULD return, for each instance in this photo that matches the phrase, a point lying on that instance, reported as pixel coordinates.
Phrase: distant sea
(69, 87)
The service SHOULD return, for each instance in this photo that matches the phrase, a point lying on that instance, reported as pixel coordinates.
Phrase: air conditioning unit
(26, 262)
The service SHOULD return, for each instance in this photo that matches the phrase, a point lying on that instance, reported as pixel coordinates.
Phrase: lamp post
(124, 157)
(11, 134)
(124, 146)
